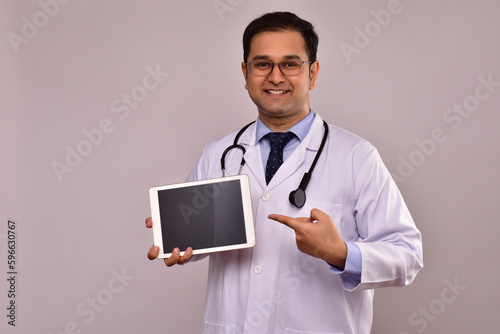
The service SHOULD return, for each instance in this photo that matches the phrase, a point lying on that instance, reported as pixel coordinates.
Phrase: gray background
(76, 233)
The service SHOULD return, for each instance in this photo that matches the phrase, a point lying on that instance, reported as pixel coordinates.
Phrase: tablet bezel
(247, 214)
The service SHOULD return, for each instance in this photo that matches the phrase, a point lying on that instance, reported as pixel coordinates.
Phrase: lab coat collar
(253, 159)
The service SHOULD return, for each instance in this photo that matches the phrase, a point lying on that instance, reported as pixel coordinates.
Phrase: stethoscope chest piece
(298, 198)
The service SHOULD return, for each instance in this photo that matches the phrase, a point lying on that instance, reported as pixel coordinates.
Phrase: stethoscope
(297, 197)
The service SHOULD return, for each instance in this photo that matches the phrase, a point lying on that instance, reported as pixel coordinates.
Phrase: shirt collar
(300, 129)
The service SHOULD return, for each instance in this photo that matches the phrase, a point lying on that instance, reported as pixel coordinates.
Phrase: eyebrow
(287, 57)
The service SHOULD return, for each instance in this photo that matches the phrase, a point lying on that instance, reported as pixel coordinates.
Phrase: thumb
(318, 215)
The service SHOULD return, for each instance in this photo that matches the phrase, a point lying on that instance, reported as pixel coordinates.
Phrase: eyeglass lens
(287, 67)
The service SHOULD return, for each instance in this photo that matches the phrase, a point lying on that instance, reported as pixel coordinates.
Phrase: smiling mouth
(276, 92)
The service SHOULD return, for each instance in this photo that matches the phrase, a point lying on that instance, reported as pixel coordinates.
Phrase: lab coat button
(257, 270)
(266, 197)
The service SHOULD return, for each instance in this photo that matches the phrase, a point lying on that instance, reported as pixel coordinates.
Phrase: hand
(317, 236)
(176, 258)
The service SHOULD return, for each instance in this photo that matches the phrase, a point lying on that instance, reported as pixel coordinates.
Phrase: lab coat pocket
(291, 331)
(334, 210)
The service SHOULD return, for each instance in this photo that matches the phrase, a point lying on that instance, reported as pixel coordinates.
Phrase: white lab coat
(273, 287)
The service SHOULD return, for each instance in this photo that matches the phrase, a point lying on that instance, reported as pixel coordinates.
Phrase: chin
(274, 112)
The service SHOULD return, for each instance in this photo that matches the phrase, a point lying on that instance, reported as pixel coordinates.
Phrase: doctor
(315, 267)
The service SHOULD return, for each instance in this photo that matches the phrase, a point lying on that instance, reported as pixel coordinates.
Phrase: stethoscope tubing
(297, 197)
(235, 145)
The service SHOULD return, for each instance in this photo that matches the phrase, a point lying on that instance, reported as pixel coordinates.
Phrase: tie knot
(279, 139)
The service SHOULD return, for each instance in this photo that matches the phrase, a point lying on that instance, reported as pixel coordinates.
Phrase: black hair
(281, 21)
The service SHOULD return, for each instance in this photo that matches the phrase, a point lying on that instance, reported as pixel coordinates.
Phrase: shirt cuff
(351, 275)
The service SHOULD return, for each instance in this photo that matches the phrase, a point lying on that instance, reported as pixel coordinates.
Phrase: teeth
(276, 91)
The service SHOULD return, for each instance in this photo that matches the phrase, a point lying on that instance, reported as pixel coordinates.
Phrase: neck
(281, 123)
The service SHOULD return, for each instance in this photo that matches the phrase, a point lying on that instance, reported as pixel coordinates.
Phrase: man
(314, 274)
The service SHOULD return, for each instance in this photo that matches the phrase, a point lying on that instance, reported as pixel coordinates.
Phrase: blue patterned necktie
(278, 141)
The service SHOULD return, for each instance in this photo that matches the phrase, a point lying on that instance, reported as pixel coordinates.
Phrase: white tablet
(209, 216)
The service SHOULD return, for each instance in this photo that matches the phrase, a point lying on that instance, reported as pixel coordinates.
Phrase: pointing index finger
(285, 220)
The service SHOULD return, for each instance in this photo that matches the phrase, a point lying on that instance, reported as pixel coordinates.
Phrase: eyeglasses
(260, 67)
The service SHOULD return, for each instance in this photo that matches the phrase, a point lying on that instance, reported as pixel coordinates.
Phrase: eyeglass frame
(249, 64)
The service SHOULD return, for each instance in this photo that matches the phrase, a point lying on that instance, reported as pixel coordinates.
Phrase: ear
(245, 73)
(313, 74)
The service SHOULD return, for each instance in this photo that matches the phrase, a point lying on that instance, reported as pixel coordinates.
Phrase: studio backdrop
(101, 100)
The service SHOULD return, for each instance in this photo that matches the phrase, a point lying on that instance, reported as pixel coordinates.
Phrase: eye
(262, 64)
(290, 64)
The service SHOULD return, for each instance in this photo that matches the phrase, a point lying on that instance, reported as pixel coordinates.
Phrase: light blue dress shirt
(353, 265)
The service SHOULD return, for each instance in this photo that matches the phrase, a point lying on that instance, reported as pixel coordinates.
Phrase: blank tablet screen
(202, 216)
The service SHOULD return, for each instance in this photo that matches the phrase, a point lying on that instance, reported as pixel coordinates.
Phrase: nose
(276, 76)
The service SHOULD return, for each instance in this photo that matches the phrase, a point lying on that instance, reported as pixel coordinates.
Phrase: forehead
(277, 45)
